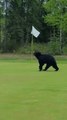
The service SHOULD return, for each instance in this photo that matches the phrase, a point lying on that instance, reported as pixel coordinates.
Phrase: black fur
(47, 59)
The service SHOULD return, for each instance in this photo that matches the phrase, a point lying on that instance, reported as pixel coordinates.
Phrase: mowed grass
(27, 94)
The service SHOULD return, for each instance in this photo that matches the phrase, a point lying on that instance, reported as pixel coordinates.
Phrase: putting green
(27, 94)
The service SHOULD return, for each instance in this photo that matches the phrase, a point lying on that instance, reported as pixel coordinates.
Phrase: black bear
(47, 59)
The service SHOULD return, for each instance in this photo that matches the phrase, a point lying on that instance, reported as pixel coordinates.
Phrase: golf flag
(35, 32)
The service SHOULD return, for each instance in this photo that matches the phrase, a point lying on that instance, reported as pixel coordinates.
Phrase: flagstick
(31, 46)
(34, 33)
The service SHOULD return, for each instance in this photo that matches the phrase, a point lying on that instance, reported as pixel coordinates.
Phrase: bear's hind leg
(55, 67)
(47, 66)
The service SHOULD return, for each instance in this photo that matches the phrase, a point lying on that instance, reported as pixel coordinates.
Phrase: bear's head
(37, 54)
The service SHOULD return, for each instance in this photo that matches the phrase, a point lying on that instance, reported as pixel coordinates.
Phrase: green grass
(27, 94)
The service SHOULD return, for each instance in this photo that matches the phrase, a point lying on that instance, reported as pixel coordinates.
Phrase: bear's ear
(37, 53)
(34, 52)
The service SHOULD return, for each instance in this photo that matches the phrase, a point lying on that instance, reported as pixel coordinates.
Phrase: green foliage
(57, 13)
(64, 22)
(52, 47)
(65, 49)
(57, 17)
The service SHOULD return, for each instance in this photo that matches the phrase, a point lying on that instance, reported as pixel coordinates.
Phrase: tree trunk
(61, 45)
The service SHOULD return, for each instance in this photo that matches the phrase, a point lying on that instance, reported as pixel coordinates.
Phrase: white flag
(35, 32)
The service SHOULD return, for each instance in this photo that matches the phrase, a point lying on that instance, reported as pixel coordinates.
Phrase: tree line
(18, 16)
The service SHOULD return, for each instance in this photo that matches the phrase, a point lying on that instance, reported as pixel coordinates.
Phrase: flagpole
(34, 33)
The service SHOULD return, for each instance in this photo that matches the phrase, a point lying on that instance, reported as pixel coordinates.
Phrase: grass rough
(27, 94)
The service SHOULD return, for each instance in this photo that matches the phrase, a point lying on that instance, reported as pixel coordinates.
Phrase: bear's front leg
(40, 67)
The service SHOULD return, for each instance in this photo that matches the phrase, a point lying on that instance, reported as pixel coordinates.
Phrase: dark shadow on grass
(50, 71)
